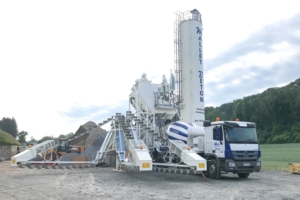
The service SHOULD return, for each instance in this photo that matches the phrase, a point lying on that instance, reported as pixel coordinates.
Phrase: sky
(63, 63)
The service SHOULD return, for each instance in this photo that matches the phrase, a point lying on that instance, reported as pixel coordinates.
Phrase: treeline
(9, 125)
(275, 111)
(69, 135)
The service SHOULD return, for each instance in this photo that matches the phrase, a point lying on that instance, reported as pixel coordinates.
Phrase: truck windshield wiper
(251, 141)
(234, 140)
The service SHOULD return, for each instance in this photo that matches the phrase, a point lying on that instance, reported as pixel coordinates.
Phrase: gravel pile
(93, 136)
(92, 141)
(85, 127)
(95, 147)
(87, 139)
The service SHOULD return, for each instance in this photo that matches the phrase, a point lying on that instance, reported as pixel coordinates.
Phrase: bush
(283, 138)
(297, 139)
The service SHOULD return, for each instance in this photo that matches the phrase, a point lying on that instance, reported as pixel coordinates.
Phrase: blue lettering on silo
(201, 86)
(199, 31)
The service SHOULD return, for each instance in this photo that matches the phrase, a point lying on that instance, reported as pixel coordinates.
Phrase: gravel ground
(107, 183)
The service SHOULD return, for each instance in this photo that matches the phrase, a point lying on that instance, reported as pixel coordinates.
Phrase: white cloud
(281, 46)
(283, 51)
(296, 33)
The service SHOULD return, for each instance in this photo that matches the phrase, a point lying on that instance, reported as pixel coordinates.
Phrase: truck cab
(231, 146)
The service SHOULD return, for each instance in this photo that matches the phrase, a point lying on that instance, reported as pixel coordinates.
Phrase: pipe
(193, 132)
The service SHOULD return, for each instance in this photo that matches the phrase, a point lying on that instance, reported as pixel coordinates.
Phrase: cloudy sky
(63, 63)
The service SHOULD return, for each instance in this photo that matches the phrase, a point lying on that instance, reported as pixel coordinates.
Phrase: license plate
(246, 164)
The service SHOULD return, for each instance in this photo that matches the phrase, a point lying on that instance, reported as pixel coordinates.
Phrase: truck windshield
(241, 135)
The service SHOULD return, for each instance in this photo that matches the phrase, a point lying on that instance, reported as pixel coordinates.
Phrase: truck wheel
(213, 170)
(243, 175)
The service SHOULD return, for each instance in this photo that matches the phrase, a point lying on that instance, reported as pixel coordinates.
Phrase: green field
(278, 156)
(7, 139)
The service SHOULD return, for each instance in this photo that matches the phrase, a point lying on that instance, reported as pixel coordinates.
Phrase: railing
(163, 99)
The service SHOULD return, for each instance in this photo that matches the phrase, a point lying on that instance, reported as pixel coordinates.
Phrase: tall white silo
(192, 87)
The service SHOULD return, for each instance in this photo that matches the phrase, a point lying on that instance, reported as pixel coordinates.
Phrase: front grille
(245, 155)
(241, 152)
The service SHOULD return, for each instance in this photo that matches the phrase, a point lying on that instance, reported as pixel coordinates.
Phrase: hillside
(7, 139)
(275, 111)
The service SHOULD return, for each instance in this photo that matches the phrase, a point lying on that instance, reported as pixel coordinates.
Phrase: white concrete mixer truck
(228, 146)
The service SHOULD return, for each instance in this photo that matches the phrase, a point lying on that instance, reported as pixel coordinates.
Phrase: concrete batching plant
(170, 118)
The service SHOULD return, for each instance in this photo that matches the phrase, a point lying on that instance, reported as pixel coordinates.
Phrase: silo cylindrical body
(192, 69)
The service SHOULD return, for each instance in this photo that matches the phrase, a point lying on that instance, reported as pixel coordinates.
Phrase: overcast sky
(63, 63)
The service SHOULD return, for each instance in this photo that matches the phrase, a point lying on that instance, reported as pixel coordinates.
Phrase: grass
(278, 156)
(7, 139)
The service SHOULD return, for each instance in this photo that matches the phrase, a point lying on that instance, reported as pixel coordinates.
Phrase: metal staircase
(104, 148)
(132, 153)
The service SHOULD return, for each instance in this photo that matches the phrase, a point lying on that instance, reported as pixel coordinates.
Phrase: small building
(8, 146)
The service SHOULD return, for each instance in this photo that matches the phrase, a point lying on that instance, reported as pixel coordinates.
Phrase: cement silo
(189, 66)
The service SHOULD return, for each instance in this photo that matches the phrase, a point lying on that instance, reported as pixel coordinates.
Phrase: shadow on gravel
(234, 177)
(161, 177)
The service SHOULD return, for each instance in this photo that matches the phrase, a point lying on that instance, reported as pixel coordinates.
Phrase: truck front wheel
(213, 170)
(243, 175)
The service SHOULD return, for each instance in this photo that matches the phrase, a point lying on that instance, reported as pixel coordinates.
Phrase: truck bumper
(242, 166)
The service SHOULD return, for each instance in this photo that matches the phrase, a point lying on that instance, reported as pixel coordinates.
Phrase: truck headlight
(231, 164)
(258, 164)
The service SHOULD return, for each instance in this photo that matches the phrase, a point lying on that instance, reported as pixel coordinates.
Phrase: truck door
(218, 141)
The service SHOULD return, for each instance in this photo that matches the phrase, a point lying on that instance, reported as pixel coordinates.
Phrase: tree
(274, 111)
(32, 140)
(22, 137)
(70, 135)
(45, 138)
(62, 136)
(9, 126)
